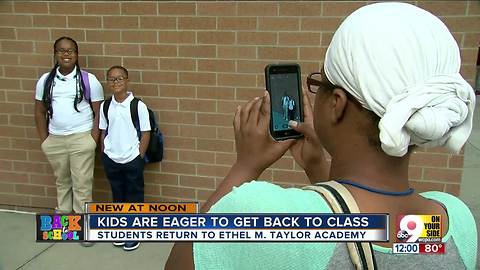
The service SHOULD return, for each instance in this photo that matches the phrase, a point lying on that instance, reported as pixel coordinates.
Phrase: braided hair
(50, 82)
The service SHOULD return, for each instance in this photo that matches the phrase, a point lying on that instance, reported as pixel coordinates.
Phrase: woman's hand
(256, 149)
(308, 151)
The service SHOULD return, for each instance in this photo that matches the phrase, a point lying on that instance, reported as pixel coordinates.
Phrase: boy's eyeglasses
(116, 80)
(315, 83)
(63, 51)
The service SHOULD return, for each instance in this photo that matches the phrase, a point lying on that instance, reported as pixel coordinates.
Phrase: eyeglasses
(68, 51)
(315, 83)
(116, 80)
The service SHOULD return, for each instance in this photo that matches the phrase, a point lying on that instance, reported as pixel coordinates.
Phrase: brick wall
(192, 63)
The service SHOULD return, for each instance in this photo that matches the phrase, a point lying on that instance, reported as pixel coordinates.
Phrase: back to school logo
(419, 228)
(66, 227)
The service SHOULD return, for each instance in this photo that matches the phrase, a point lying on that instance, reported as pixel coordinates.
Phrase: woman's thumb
(300, 127)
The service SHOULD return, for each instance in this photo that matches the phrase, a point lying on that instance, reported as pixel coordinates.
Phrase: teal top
(265, 197)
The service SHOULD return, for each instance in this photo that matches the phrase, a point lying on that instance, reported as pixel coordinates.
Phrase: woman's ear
(339, 102)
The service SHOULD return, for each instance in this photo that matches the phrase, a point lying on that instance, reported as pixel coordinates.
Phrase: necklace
(407, 192)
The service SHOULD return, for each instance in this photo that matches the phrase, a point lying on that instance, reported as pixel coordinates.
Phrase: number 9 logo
(413, 225)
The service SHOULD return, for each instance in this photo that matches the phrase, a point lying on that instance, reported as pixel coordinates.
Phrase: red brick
(426, 186)
(455, 161)
(65, 8)
(290, 177)
(177, 117)
(225, 133)
(225, 158)
(180, 37)
(166, 8)
(20, 72)
(237, 23)
(16, 20)
(11, 199)
(279, 24)
(237, 52)
(300, 9)
(49, 21)
(204, 23)
(152, 189)
(300, 39)
(7, 33)
(212, 119)
(198, 51)
(163, 178)
(215, 145)
(120, 22)
(326, 38)
(197, 105)
(177, 64)
(469, 56)
(471, 40)
(155, 22)
(217, 37)
(278, 53)
(448, 175)
(30, 189)
(445, 8)
(197, 78)
(6, 165)
(179, 143)
(473, 8)
(139, 36)
(11, 177)
(158, 50)
(203, 195)
(13, 84)
(197, 182)
(415, 173)
(102, 62)
(38, 156)
(341, 8)
(84, 22)
(17, 46)
(140, 63)
(35, 60)
(7, 188)
(285, 163)
(6, 7)
(217, 93)
(110, 8)
(48, 202)
(216, 8)
(30, 7)
(163, 104)
(103, 35)
(236, 80)
(178, 192)
(8, 59)
(178, 167)
(197, 132)
(177, 91)
(212, 170)
(320, 24)
(462, 23)
(159, 77)
(453, 189)
(196, 156)
(25, 144)
(143, 8)
(429, 160)
(9, 107)
(257, 8)
(122, 49)
(257, 38)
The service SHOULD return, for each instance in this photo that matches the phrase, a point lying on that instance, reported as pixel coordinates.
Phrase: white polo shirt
(66, 120)
(121, 143)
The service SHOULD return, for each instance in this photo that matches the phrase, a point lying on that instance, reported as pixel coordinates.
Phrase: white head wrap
(402, 63)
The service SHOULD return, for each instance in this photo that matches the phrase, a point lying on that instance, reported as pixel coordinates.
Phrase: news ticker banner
(419, 234)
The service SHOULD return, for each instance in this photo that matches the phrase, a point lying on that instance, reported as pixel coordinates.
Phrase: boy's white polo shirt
(121, 143)
(66, 120)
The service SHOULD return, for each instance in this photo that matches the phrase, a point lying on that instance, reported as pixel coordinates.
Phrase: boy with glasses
(123, 149)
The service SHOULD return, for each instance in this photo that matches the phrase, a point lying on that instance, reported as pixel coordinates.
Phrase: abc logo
(402, 235)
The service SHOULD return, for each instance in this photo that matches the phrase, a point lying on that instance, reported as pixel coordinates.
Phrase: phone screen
(284, 98)
(283, 84)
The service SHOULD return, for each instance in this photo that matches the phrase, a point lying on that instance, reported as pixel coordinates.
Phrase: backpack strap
(106, 105)
(341, 201)
(86, 82)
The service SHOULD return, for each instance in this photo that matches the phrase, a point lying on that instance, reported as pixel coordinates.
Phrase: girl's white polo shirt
(66, 120)
(122, 143)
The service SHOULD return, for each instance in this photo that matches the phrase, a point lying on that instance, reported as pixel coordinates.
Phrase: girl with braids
(67, 101)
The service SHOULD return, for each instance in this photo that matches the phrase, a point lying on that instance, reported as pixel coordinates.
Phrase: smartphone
(284, 85)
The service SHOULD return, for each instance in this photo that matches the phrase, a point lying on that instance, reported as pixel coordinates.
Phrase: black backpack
(155, 145)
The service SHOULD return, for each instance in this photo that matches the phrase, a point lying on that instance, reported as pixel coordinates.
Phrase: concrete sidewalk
(18, 250)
